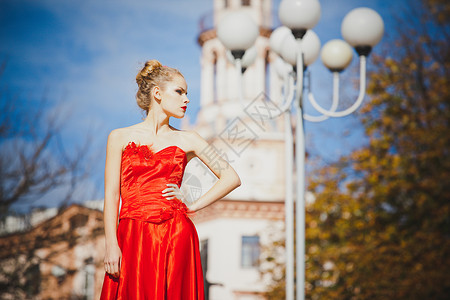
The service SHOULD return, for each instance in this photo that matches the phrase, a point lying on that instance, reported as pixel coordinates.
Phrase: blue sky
(84, 56)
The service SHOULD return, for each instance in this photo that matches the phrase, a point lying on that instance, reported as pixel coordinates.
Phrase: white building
(232, 230)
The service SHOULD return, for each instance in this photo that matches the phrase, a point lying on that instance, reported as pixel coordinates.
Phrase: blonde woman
(153, 252)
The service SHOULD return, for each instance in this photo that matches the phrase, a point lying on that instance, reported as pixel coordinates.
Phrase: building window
(215, 99)
(267, 75)
(245, 2)
(204, 255)
(78, 220)
(250, 251)
(88, 290)
(204, 260)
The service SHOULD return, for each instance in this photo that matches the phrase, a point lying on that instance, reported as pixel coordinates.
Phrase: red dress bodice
(144, 175)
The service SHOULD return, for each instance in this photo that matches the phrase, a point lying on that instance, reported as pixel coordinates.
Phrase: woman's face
(174, 98)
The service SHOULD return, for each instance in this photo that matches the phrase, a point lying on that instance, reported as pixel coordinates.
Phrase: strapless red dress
(159, 243)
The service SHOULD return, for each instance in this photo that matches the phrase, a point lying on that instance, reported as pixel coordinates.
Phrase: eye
(179, 92)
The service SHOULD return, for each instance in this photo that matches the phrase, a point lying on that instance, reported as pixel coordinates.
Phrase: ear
(157, 93)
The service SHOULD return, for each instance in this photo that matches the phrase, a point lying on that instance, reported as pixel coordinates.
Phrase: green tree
(380, 226)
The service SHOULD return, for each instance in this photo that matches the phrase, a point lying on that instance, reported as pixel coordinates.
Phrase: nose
(186, 100)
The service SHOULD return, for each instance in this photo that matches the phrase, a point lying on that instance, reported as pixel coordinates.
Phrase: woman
(153, 252)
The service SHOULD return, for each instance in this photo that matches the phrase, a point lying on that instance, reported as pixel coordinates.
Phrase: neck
(156, 122)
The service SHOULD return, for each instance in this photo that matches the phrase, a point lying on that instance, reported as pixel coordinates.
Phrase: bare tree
(34, 158)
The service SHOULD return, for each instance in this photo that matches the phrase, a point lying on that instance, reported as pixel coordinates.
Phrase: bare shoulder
(117, 137)
(193, 141)
(193, 135)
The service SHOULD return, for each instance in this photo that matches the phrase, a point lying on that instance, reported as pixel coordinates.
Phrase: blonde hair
(152, 74)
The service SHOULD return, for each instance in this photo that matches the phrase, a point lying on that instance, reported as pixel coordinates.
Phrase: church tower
(238, 126)
(219, 83)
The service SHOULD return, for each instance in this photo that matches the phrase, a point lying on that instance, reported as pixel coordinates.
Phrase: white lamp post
(238, 32)
(299, 46)
(362, 28)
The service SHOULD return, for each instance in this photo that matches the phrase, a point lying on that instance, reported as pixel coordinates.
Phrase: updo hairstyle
(152, 74)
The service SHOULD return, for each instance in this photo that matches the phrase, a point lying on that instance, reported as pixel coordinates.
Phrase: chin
(179, 116)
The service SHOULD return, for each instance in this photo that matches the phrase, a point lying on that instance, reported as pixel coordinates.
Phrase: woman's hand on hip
(173, 191)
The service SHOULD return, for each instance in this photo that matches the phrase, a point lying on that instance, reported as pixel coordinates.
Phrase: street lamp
(246, 61)
(238, 32)
(362, 28)
(298, 46)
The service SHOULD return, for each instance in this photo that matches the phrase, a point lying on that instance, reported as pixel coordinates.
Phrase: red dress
(159, 243)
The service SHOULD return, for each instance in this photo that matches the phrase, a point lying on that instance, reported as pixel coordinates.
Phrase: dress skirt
(160, 261)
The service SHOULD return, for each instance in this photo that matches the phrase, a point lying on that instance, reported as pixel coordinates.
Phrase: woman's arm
(228, 178)
(112, 199)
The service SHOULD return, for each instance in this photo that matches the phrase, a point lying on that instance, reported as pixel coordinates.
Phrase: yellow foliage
(382, 214)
